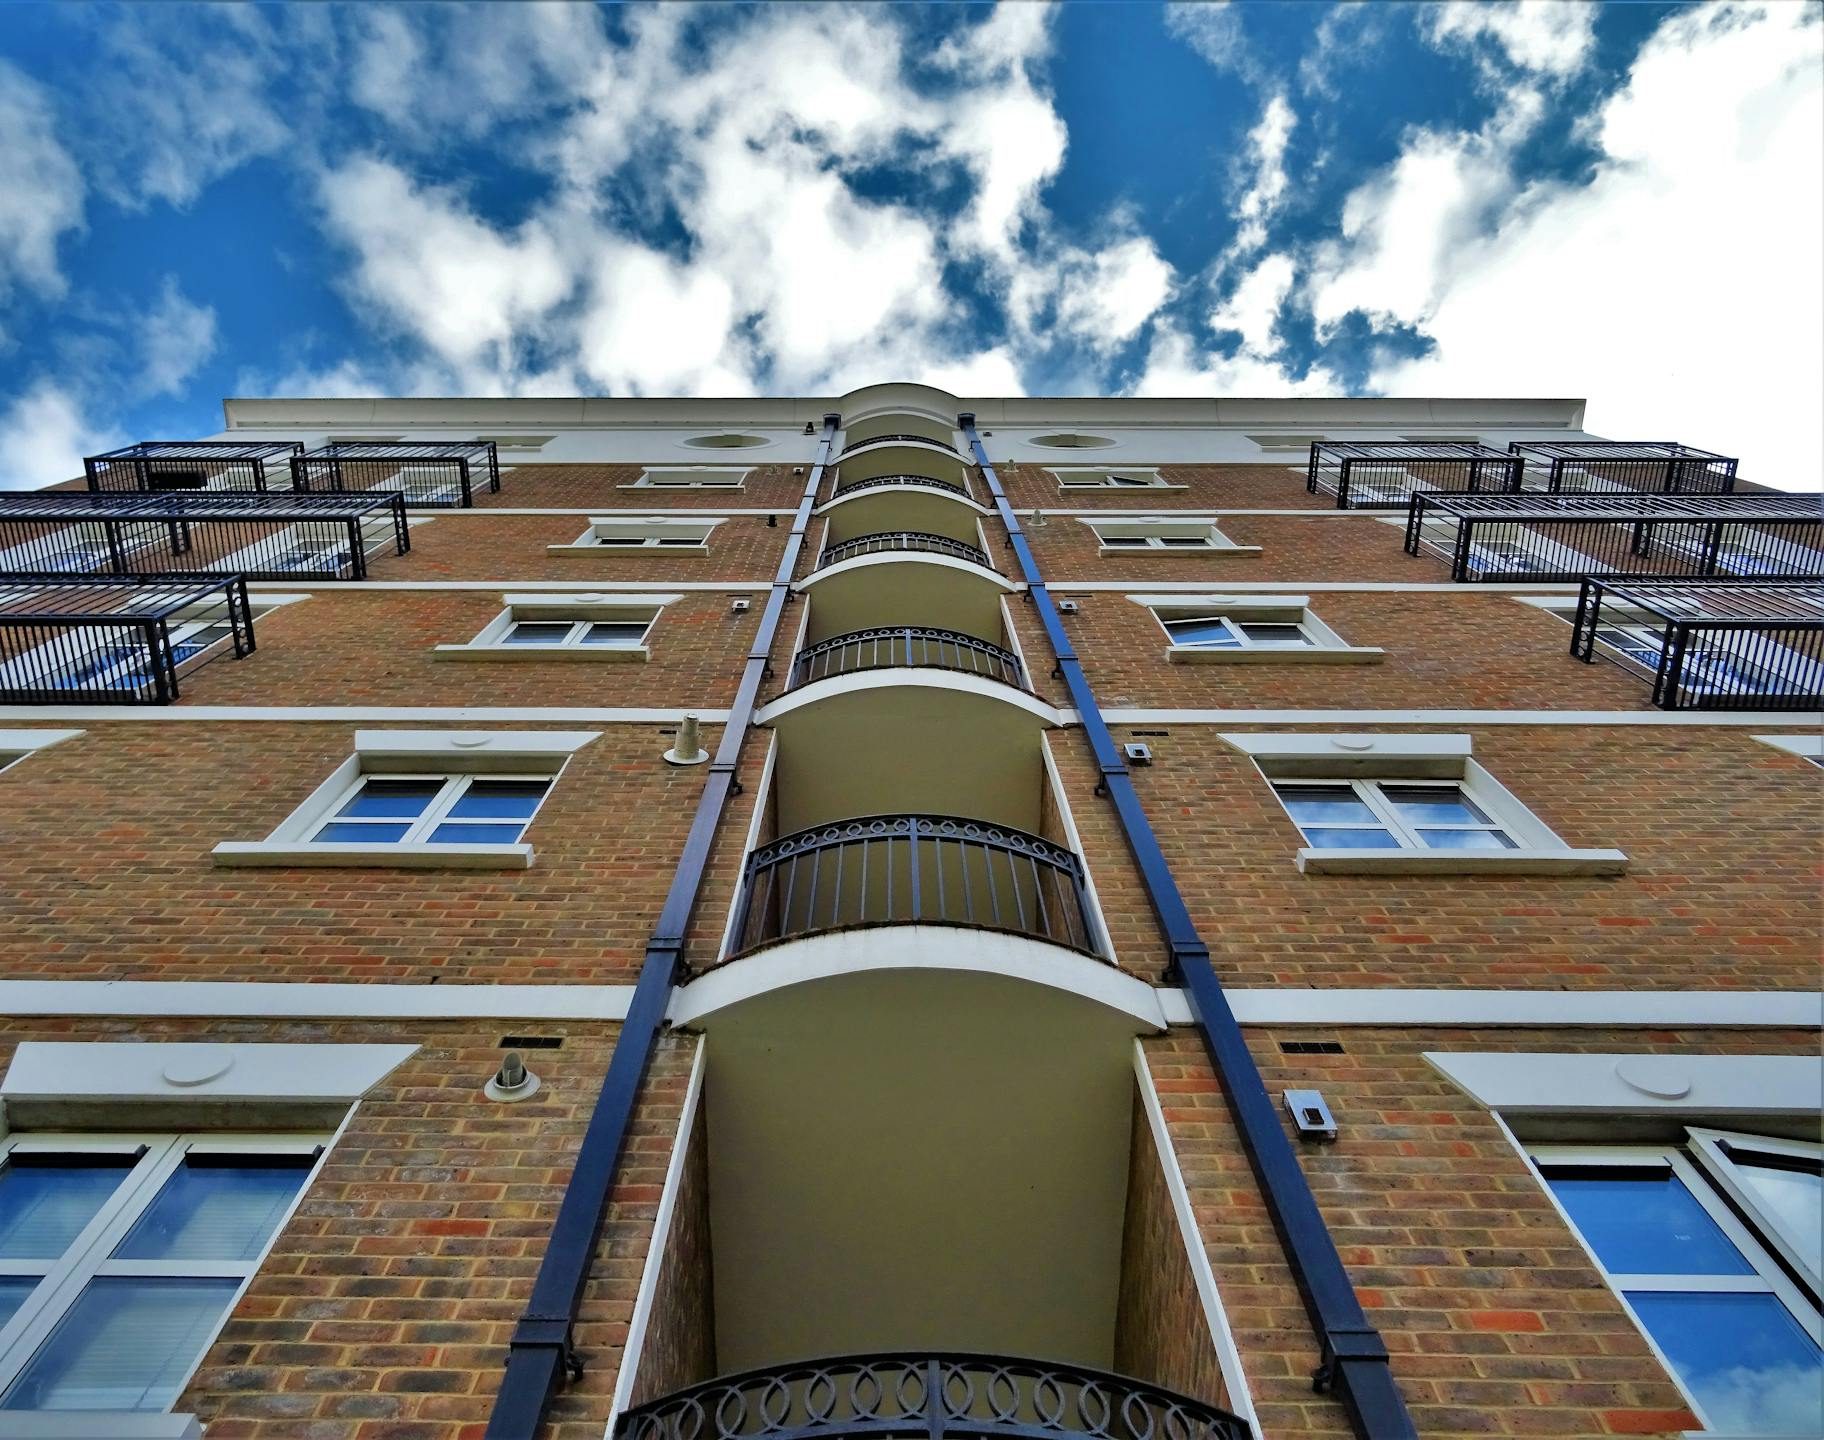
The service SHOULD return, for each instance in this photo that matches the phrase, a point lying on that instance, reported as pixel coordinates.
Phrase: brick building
(1062, 917)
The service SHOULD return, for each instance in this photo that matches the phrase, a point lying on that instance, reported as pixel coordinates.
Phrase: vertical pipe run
(541, 1348)
(1354, 1361)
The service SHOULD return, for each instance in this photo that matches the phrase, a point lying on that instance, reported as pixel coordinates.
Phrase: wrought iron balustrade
(1384, 475)
(1567, 537)
(194, 465)
(915, 646)
(1661, 466)
(923, 482)
(1710, 644)
(437, 474)
(263, 535)
(892, 541)
(897, 439)
(913, 870)
(929, 1397)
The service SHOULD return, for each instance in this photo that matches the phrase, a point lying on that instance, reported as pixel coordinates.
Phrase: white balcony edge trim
(387, 714)
(902, 677)
(843, 497)
(896, 557)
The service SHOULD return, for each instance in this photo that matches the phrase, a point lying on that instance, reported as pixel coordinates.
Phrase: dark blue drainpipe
(542, 1348)
(1354, 1361)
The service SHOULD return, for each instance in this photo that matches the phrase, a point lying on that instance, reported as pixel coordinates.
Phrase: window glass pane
(1465, 840)
(1124, 540)
(615, 632)
(1275, 634)
(477, 834)
(1647, 1224)
(209, 1211)
(1184, 540)
(1202, 632)
(1428, 805)
(537, 632)
(126, 1344)
(341, 834)
(1322, 805)
(388, 798)
(1790, 1197)
(619, 540)
(1325, 838)
(13, 1292)
(1752, 1368)
(499, 799)
(691, 540)
(43, 1207)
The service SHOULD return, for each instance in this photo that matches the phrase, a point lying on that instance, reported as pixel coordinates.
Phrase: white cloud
(45, 433)
(1267, 143)
(655, 327)
(1104, 298)
(41, 190)
(1175, 366)
(1253, 310)
(1213, 29)
(1551, 37)
(175, 338)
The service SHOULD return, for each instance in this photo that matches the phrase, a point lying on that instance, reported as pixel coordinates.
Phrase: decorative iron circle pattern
(924, 482)
(928, 1396)
(898, 440)
(903, 540)
(913, 646)
(943, 827)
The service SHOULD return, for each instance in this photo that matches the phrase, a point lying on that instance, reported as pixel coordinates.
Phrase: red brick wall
(680, 1344)
(481, 545)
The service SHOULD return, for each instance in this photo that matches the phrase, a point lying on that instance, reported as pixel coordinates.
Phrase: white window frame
(453, 786)
(1106, 477)
(1322, 645)
(692, 477)
(1193, 535)
(87, 1257)
(1711, 1149)
(1387, 814)
(646, 535)
(579, 612)
(1767, 1278)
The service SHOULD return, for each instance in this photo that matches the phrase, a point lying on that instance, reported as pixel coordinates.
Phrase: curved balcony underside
(903, 480)
(871, 509)
(905, 587)
(928, 1396)
(913, 647)
(912, 870)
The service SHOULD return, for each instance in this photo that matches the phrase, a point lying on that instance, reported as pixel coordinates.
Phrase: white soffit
(126, 1071)
(1561, 1084)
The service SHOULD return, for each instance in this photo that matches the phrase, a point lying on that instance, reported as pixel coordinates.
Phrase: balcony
(1386, 475)
(1709, 645)
(912, 870)
(116, 642)
(194, 465)
(430, 474)
(1570, 536)
(897, 542)
(1654, 466)
(263, 536)
(910, 646)
(927, 1395)
(897, 438)
(927, 482)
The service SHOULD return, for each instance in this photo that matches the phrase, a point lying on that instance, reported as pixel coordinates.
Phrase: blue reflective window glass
(44, 1206)
(1320, 805)
(13, 1292)
(1744, 1357)
(334, 834)
(1202, 632)
(215, 1212)
(1466, 840)
(1793, 1197)
(386, 799)
(1433, 805)
(499, 799)
(1324, 837)
(615, 632)
(538, 632)
(477, 834)
(1646, 1223)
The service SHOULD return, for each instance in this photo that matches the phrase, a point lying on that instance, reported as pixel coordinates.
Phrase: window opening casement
(1160, 533)
(1223, 632)
(1112, 480)
(654, 532)
(404, 809)
(1407, 804)
(1215, 628)
(566, 627)
(121, 1257)
(1713, 1247)
(690, 477)
(521, 444)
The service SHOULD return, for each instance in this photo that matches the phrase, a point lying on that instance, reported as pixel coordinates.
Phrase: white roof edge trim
(130, 1071)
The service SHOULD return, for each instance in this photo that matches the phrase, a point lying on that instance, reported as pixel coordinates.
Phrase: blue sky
(1621, 202)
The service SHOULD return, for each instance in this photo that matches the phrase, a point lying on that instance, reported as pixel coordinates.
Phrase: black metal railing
(927, 1396)
(119, 642)
(923, 482)
(913, 870)
(1709, 644)
(897, 439)
(434, 474)
(1566, 537)
(194, 465)
(1656, 466)
(913, 646)
(894, 541)
(260, 535)
(1384, 475)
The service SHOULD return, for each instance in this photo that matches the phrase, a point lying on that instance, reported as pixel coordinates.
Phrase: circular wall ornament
(197, 1065)
(729, 440)
(1653, 1075)
(1072, 440)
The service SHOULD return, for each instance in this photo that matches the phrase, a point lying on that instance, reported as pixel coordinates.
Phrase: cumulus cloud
(175, 337)
(41, 190)
(1266, 162)
(1550, 37)
(1176, 366)
(1213, 29)
(44, 434)
(1252, 311)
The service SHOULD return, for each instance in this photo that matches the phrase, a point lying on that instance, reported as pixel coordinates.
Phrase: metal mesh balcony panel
(1384, 475)
(1709, 645)
(187, 465)
(903, 541)
(116, 642)
(261, 535)
(912, 646)
(1656, 466)
(1567, 537)
(431, 474)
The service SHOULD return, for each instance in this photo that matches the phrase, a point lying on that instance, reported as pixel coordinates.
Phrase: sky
(1622, 202)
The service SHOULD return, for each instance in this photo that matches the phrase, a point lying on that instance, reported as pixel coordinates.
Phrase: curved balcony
(897, 439)
(927, 1396)
(912, 870)
(918, 647)
(903, 541)
(924, 482)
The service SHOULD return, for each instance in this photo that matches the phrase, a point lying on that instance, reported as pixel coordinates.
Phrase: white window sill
(592, 653)
(1276, 655)
(1462, 862)
(1117, 489)
(626, 549)
(237, 854)
(96, 1424)
(635, 485)
(1187, 552)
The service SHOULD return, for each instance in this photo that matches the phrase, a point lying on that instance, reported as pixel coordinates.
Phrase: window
(559, 626)
(1276, 443)
(1691, 1236)
(118, 657)
(387, 809)
(1110, 480)
(578, 632)
(521, 444)
(1205, 628)
(1158, 533)
(121, 1256)
(654, 532)
(1381, 815)
(1733, 661)
(692, 477)
(1222, 633)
